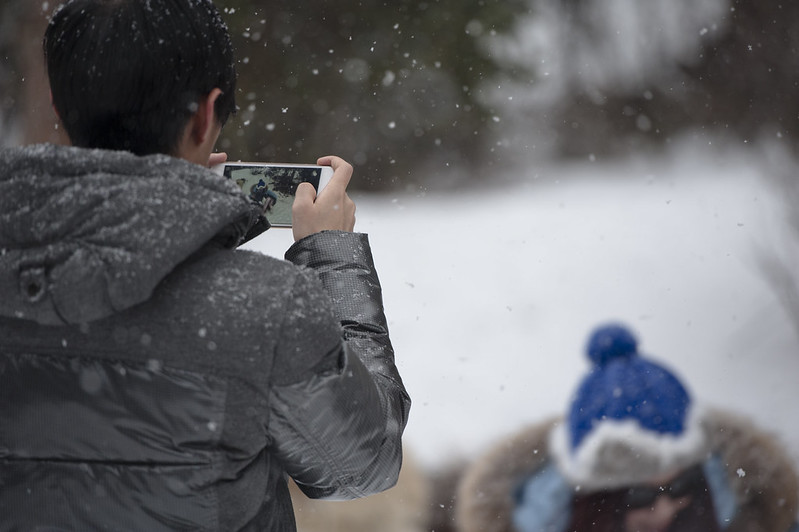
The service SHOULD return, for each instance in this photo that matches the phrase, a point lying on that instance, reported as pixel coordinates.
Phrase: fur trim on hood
(87, 233)
(761, 475)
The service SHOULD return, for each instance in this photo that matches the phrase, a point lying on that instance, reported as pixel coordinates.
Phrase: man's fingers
(217, 158)
(331, 209)
(342, 172)
(304, 197)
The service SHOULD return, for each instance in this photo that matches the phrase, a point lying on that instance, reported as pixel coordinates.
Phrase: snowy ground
(490, 294)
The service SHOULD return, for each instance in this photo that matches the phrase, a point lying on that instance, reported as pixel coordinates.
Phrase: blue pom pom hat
(631, 420)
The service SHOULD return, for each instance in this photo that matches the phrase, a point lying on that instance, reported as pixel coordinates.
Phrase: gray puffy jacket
(153, 377)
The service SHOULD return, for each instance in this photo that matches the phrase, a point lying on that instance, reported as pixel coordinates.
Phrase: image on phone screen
(272, 186)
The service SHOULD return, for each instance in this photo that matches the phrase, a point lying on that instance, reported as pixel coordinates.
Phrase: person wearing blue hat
(634, 453)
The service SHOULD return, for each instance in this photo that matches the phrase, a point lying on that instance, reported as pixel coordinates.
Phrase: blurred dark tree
(747, 80)
(9, 64)
(400, 89)
(393, 87)
(741, 82)
(25, 112)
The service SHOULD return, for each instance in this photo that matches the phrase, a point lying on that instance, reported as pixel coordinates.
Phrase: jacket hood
(87, 233)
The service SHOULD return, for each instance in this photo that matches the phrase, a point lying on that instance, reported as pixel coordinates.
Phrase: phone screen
(273, 186)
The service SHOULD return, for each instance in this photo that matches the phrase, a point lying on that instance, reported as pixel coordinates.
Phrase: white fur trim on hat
(618, 453)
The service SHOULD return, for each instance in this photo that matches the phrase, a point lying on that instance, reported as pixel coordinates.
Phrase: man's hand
(332, 209)
(216, 158)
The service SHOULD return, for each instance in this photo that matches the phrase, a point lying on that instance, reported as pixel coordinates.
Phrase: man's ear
(203, 121)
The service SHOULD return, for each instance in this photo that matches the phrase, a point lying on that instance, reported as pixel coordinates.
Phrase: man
(153, 377)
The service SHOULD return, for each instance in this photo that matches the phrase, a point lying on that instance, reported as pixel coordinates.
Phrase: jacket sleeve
(338, 414)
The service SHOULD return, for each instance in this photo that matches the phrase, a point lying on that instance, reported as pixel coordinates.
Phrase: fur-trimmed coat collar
(760, 473)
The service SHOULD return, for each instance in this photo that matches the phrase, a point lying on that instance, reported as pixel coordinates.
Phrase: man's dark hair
(128, 74)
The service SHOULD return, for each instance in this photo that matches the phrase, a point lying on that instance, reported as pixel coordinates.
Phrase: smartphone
(274, 185)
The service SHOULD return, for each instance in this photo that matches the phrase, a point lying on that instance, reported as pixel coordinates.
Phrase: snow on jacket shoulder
(154, 378)
(759, 474)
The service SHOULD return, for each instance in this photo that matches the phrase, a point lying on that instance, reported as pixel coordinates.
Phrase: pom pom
(611, 342)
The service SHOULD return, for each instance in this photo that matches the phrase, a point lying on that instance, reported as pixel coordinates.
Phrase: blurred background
(472, 84)
(527, 169)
